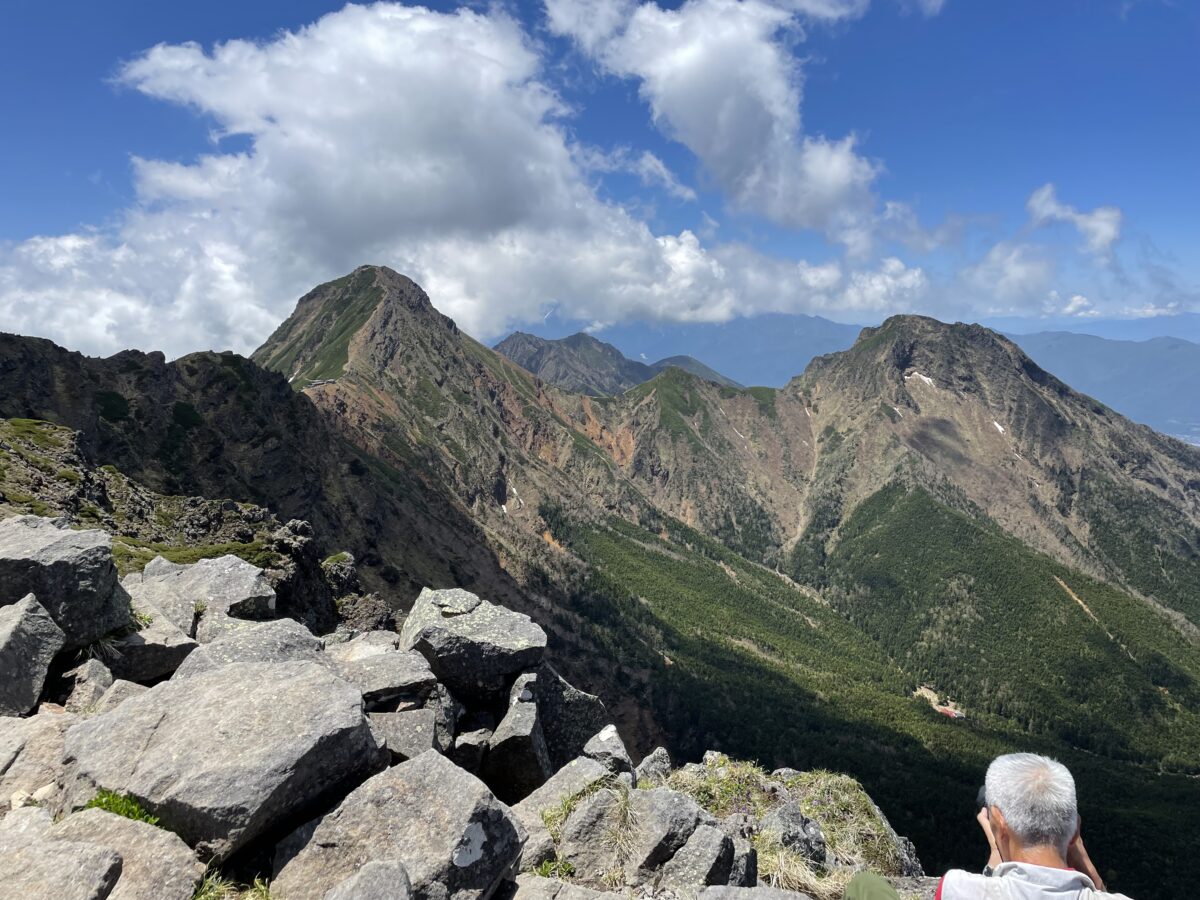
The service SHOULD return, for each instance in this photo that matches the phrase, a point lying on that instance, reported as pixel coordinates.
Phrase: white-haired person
(1031, 820)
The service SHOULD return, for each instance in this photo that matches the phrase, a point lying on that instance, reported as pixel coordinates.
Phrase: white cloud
(426, 141)
(720, 77)
(649, 169)
(1100, 228)
(1011, 273)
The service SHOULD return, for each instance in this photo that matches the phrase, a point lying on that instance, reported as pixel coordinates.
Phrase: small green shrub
(121, 805)
(555, 868)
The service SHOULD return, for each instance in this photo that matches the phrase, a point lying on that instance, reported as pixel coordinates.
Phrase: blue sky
(596, 161)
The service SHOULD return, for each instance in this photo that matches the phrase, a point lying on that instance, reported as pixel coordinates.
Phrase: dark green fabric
(869, 886)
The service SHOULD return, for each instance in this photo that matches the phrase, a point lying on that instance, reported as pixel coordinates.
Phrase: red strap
(941, 884)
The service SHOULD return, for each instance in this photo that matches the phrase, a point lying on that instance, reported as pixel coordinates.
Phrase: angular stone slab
(226, 755)
(796, 831)
(281, 640)
(31, 755)
(407, 734)
(453, 837)
(202, 598)
(90, 681)
(580, 776)
(706, 858)
(118, 693)
(57, 870)
(517, 762)
(570, 717)
(152, 653)
(29, 640)
(474, 647)
(750, 893)
(386, 678)
(364, 645)
(656, 767)
(155, 864)
(607, 748)
(375, 881)
(70, 572)
(534, 887)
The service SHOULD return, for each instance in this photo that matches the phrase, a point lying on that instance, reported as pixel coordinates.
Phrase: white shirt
(1021, 881)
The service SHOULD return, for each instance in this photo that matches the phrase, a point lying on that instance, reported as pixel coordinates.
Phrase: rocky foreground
(168, 737)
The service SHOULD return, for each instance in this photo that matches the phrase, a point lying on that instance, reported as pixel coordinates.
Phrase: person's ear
(999, 826)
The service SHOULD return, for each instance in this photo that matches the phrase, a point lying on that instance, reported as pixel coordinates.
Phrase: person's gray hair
(1036, 794)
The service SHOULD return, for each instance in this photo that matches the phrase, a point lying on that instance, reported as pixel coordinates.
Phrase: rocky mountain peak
(373, 307)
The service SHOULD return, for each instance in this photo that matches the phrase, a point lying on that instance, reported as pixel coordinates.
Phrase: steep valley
(772, 573)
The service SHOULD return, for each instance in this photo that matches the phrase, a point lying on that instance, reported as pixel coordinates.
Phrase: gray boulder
(607, 748)
(656, 767)
(473, 646)
(204, 599)
(570, 717)
(57, 870)
(665, 820)
(517, 761)
(118, 693)
(453, 837)
(29, 639)
(281, 640)
(155, 864)
(707, 858)
(796, 831)
(228, 754)
(388, 679)
(25, 823)
(89, 682)
(31, 756)
(407, 734)
(364, 645)
(533, 887)
(381, 880)
(743, 871)
(580, 777)
(153, 652)
(70, 572)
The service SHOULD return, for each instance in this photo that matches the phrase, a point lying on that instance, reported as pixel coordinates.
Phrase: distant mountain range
(1154, 381)
(585, 365)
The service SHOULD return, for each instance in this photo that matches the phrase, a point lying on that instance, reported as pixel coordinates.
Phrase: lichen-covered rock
(29, 639)
(155, 864)
(517, 761)
(381, 880)
(750, 893)
(281, 640)
(576, 779)
(607, 748)
(473, 646)
(89, 681)
(153, 652)
(570, 717)
(453, 837)
(389, 678)
(203, 599)
(706, 858)
(656, 767)
(31, 755)
(70, 572)
(230, 753)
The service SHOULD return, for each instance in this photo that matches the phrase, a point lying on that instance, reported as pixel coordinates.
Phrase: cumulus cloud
(430, 142)
(1100, 228)
(719, 77)
(1011, 273)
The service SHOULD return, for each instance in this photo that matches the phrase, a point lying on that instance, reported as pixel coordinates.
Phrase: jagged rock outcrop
(447, 829)
(266, 749)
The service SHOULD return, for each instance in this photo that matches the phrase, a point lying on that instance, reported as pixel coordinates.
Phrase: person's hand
(985, 822)
(1078, 859)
